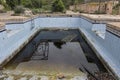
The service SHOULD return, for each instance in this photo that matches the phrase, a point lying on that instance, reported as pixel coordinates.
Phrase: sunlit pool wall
(2, 38)
(108, 48)
(58, 22)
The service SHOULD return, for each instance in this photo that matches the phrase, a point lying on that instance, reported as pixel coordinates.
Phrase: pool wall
(17, 35)
(107, 49)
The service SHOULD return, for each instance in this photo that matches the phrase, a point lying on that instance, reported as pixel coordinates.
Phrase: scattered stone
(60, 76)
(101, 76)
(60, 79)
(34, 78)
(52, 78)
(79, 78)
(28, 12)
(44, 78)
(2, 77)
(24, 78)
(9, 78)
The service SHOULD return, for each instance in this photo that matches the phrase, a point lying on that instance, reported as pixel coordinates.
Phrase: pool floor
(68, 59)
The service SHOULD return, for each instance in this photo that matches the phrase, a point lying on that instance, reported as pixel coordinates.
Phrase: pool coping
(110, 28)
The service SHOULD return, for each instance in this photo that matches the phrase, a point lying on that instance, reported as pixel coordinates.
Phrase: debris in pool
(69, 38)
(79, 78)
(59, 44)
(101, 76)
(60, 76)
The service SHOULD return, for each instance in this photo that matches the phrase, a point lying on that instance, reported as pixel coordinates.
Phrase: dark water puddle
(57, 38)
(59, 44)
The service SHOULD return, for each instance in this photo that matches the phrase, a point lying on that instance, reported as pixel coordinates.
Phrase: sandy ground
(102, 16)
(2, 25)
(115, 24)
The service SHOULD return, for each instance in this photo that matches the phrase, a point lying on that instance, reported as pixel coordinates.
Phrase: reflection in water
(59, 44)
(42, 51)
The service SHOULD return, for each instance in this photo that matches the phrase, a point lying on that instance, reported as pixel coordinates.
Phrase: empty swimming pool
(32, 44)
(57, 51)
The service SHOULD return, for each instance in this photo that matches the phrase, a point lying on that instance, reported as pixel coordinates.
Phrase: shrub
(58, 6)
(99, 12)
(32, 3)
(11, 3)
(27, 3)
(115, 12)
(3, 11)
(81, 11)
(46, 7)
(35, 11)
(19, 9)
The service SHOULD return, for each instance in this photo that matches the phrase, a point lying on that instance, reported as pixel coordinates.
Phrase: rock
(24, 78)
(9, 78)
(2, 77)
(79, 78)
(34, 78)
(60, 76)
(44, 78)
(28, 12)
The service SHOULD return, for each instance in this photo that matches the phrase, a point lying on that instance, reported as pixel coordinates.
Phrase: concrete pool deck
(2, 26)
(97, 18)
(114, 25)
(103, 17)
